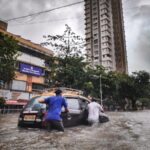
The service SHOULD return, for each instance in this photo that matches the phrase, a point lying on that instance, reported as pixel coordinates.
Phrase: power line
(45, 21)
(42, 12)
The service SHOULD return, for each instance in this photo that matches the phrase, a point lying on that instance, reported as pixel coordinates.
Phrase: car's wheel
(103, 119)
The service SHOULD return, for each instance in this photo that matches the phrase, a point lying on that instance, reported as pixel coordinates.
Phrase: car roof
(66, 92)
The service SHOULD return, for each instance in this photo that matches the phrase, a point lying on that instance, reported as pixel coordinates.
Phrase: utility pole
(100, 89)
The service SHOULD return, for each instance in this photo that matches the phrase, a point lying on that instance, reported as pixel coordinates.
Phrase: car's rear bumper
(32, 124)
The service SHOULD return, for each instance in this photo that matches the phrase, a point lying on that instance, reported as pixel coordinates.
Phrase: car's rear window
(33, 104)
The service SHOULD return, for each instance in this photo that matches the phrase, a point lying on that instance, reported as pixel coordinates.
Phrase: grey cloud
(137, 21)
(35, 27)
(143, 46)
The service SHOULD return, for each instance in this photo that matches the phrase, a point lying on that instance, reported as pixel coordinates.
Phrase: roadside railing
(7, 111)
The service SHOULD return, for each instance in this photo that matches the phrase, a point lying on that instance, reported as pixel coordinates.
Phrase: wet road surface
(124, 131)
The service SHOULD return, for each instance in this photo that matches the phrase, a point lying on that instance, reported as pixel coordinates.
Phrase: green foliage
(88, 88)
(70, 72)
(145, 102)
(131, 87)
(66, 45)
(8, 55)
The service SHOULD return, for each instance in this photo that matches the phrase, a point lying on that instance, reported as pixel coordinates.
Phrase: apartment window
(87, 13)
(108, 62)
(95, 35)
(96, 52)
(104, 15)
(87, 40)
(95, 30)
(94, 9)
(105, 21)
(105, 27)
(88, 35)
(95, 19)
(88, 50)
(104, 5)
(106, 43)
(88, 46)
(94, 4)
(95, 24)
(88, 26)
(88, 31)
(18, 85)
(94, 13)
(105, 32)
(36, 86)
(108, 55)
(106, 50)
(106, 38)
(88, 20)
(96, 41)
(96, 46)
(96, 58)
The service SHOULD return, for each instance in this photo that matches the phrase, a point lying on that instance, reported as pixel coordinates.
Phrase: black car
(33, 114)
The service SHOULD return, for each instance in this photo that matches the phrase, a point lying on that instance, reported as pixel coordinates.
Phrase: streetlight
(100, 86)
(100, 89)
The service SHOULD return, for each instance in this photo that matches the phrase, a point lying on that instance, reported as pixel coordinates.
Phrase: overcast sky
(136, 18)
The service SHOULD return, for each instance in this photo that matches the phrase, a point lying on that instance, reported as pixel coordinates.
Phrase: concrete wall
(14, 95)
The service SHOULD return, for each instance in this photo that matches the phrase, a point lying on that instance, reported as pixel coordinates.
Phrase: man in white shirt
(94, 110)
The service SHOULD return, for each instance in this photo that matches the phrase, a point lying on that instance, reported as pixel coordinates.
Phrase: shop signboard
(29, 69)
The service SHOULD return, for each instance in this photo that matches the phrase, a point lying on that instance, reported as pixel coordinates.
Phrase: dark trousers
(54, 124)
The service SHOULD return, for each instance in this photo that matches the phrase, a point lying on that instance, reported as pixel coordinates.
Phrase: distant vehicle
(33, 114)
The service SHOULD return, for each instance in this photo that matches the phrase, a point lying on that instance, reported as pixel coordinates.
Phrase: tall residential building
(105, 38)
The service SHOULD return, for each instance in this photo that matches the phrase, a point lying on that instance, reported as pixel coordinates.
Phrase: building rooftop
(28, 43)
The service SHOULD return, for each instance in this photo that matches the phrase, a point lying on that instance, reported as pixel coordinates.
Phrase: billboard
(29, 69)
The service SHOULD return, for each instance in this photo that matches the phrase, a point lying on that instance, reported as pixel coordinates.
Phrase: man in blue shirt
(55, 103)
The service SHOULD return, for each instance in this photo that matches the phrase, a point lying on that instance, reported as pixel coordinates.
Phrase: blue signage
(26, 68)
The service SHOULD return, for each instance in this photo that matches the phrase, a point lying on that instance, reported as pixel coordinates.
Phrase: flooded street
(124, 131)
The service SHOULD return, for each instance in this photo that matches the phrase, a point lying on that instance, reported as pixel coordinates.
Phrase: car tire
(103, 119)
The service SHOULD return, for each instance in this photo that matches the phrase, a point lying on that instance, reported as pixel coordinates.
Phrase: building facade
(31, 70)
(105, 37)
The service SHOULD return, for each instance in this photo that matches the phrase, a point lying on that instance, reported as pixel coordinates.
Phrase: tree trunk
(134, 105)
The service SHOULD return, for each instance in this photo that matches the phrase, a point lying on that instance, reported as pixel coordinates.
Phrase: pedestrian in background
(55, 104)
(94, 110)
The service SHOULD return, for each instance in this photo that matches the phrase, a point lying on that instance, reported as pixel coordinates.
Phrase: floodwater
(124, 131)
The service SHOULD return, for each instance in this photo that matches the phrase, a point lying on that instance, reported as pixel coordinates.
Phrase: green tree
(65, 45)
(145, 102)
(141, 86)
(2, 102)
(68, 69)
(131, 87)
(70, 72)
(93, 76)
(8, 55)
